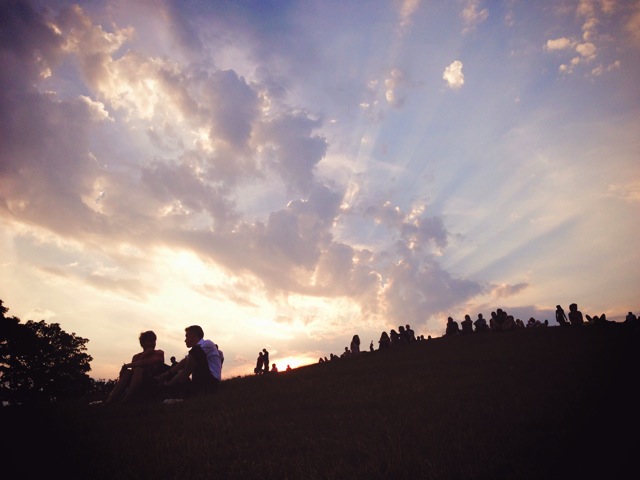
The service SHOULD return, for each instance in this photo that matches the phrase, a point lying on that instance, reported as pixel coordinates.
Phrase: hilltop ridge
(530, 404)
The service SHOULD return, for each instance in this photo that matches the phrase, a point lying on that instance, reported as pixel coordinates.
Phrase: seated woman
(136, 378)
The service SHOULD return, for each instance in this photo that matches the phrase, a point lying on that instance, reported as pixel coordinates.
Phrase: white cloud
(559, 44)
(97, 109)
(587, 50)
(453, 75)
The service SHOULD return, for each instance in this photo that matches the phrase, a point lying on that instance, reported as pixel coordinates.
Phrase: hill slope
(548, 402)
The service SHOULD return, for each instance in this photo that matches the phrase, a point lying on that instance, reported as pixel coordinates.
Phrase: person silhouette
(265, 360)
(136, 378)
(173, 361)
(452, 327)
(561, 317)
(371, 346)
(274, 369)
(575, 315)
(411, 335)
(631, 321)
(355, 345)
(384, 342)
(395, 338)
(259, 363)
(467, 324)
(200, 372)
(402, 335)
(481, 324)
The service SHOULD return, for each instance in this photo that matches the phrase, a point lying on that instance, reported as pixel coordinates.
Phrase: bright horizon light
(289, 174)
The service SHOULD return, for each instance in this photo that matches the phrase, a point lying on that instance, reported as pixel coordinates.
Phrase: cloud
(629, 192)
(559, 44)
(453, 75)
(405, 14)
(505, 290)
(290, 148)
(202, 132)
(587, 50)
(393, 85)
(418, 290)
(600, 69)
(632, 25)
(597, 18)
(472, 16)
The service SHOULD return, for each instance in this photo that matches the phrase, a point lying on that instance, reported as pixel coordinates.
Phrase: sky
(288, 174)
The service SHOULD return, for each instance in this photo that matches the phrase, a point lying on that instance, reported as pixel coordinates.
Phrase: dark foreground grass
(533, 404)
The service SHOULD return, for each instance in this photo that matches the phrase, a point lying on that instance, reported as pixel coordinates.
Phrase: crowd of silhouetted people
(394, 338)
(499, 321)
(200, 371)
(262, 364)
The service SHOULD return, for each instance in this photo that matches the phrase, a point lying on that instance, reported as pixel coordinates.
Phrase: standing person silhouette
(265, 360)
(259, 364)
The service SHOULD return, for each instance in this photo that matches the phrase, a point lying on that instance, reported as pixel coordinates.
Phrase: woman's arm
(147, 358)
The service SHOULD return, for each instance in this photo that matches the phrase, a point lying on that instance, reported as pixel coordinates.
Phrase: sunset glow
(289, 174)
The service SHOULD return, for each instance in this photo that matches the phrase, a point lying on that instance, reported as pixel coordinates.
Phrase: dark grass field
(544, 403)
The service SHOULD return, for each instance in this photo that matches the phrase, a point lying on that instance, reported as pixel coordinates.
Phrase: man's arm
(174, 371)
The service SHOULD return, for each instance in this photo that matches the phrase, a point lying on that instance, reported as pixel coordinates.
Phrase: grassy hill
(531, 404)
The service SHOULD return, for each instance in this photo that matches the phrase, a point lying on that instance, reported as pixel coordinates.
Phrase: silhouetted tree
(40, 362)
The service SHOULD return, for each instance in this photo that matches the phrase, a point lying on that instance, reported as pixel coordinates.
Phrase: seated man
(200, 371)
(452, 327)
(136, 378)
(481, 324)
(467, 324)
